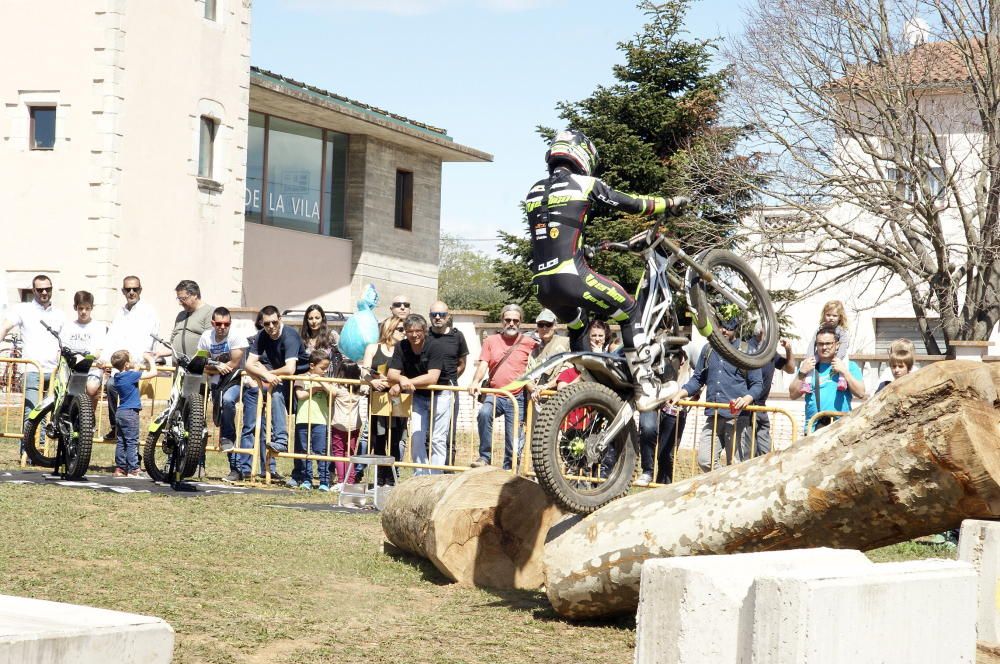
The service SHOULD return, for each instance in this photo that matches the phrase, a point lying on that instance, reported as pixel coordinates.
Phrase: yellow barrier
(658, 451)
(425, 461)
(810, 425)
(14, 400)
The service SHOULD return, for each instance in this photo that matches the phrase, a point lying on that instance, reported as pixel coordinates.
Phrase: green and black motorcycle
(66, 416)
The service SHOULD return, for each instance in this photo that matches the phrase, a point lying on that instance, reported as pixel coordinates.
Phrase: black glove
(676, 205)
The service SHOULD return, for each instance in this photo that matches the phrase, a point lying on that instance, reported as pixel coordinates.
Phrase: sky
(487, 71)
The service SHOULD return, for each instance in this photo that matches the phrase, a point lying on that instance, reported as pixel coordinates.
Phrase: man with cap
(723, 383)
(549, 344)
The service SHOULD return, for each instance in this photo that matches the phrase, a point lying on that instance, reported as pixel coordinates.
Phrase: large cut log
(916, 459)
(483, 527)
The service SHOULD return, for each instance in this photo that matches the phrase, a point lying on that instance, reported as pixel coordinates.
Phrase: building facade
(140, 141)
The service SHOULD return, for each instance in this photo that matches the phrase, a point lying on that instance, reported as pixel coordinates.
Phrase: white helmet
(573, 149)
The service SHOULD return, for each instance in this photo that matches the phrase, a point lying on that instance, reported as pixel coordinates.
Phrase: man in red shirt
(504, 358)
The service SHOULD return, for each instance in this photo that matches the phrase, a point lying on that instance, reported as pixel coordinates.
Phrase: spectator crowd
(408, 383)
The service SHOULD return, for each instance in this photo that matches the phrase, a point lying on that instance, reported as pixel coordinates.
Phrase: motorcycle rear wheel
(156, 456)
(41, 453)
(567, 421)
(709, 304)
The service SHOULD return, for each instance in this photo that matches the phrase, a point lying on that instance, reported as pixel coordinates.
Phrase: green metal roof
(357, 106)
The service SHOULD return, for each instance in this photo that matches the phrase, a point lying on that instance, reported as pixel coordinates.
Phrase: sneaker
(307, 485)
(110, 436)
(325, 488)
(841, 384)
(644, 479)
(277, 477)
(806, 387)
(119, 473)
(274, 447)
(137, 474)
(233, 476)
(290, 483)
(338, 488)
(650, 396)
(479, 463)
(226, 444)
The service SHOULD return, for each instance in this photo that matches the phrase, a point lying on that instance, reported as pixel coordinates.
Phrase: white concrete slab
(33, 630)
(695, 610)
(917, 612)
(979, 545)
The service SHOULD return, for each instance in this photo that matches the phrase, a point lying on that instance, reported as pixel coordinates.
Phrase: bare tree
(880, 122)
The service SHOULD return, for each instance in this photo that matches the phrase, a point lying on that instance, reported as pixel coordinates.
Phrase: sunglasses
(273, 323)
(404, 305)
(214, 324)
(516, 321)
(439, 314)
(44, 290)
(542, 323)
(132, 290)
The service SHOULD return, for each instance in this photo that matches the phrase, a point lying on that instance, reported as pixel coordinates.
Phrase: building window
(296, 176)
(206, 146)
(888, 330)
(210, 7)
(43, 127)
(404, 200)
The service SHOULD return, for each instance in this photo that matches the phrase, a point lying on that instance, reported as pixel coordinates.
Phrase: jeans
(762, 437)
(659, 445)
(111, 396)
(33, 391)
(439, 429)
(127, 449)
(504, 406)
(243, 461)
(312, 438)
(727, 436)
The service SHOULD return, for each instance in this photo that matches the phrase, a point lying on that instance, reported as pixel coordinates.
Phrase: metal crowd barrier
(462, 446)
(363, 440)
(833, 414)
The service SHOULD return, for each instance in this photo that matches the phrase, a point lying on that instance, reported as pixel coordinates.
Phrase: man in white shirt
(228, 350)
(130, 330)
(39, 344)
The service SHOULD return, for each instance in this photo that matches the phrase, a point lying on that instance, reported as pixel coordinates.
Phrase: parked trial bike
(585, 467)
(66, 416)
(176, 438)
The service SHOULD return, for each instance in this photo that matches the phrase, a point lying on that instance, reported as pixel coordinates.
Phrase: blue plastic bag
(361, 329)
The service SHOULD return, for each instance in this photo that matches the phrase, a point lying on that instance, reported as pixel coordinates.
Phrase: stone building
(144, 143)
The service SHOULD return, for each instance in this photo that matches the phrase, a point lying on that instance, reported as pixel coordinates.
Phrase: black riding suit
(557, 208)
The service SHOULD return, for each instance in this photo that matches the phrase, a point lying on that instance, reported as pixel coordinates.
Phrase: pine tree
(658, 132)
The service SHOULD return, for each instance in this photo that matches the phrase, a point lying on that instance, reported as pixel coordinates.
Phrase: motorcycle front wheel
(80, 411)
(713, 307)
(565, 433)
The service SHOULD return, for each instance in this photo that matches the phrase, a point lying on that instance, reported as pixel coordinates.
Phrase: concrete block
(33, 630)
(979, 545)
(917, 612)
(694, 610)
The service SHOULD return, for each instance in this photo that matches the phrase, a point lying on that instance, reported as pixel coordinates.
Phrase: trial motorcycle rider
(558, 207)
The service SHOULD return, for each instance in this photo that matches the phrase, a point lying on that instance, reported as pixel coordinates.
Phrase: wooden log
(917, 459)
(483, 527)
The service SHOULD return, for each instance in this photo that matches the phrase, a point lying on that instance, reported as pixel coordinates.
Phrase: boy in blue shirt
(829, 393)
(127, 417)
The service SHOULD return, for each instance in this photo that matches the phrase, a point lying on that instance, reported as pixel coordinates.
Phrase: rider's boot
(649, 391)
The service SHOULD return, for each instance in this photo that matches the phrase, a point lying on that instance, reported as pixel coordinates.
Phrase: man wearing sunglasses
(39, 345)
(825, 369)
(129, 330)
(227, 351)
(278, 351)
(549, 344)
(504, 358)
(399, 306)
(454, 350)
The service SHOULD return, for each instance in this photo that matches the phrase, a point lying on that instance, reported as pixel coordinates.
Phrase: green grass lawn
(241, 582)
